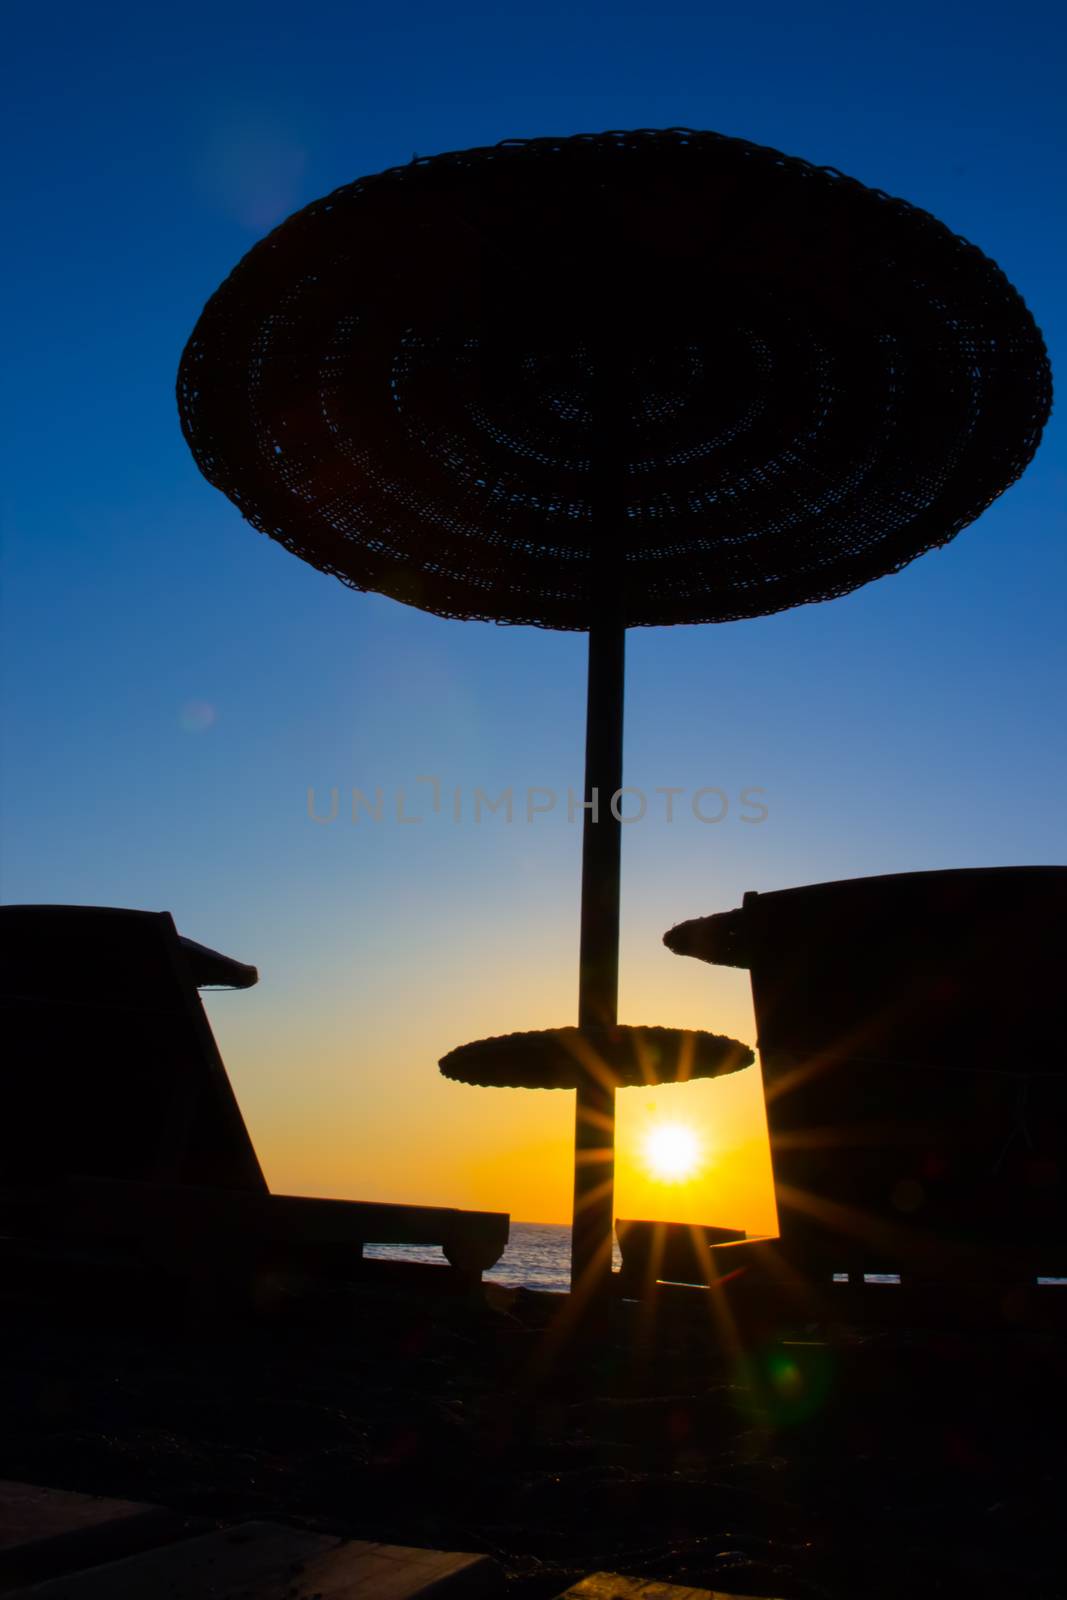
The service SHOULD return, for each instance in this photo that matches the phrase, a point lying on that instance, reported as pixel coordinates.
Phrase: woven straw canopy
(618, 1057)
(810, 383)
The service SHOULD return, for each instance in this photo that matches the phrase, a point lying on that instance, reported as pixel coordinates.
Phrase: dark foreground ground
(845, 1466)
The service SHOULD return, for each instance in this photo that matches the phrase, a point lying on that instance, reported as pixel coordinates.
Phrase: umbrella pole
(598, 989)
(598, 962)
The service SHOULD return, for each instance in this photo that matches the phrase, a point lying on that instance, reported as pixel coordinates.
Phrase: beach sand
(841, 1465)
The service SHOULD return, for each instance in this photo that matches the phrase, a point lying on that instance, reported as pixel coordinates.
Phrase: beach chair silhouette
(910, 1031)
(120, 1124)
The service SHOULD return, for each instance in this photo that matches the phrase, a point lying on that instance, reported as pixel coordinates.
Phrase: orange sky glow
(341, 1101)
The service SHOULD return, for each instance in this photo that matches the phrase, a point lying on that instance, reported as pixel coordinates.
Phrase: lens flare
(672, 1152)
(196, 716)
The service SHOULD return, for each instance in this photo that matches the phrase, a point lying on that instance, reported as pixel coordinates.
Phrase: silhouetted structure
(562, 1058)
(911, 1039)
(113, 1071)
(609, 381)
(120, 1125)
(668, 1252)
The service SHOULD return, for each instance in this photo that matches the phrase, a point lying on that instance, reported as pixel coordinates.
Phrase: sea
(538, 1256)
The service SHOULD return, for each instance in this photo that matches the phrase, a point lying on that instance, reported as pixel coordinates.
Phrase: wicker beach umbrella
(617, 1056)
(617, 380)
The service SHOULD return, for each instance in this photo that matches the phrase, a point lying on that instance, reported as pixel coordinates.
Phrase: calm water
(538, 1256)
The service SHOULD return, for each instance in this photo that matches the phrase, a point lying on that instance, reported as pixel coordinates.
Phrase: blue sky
(915, 724)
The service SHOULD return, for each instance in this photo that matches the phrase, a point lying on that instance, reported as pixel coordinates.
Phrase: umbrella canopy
(620, 1057)
(810, 383)
(606, 381)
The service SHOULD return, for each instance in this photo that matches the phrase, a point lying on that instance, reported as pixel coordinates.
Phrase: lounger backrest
(110, 1066)
(911, 1041)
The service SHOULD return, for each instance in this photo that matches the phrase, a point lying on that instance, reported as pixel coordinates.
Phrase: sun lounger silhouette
(911, 1041)
(120, 1124)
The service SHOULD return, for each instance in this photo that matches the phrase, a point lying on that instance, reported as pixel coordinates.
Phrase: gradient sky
(174, 683)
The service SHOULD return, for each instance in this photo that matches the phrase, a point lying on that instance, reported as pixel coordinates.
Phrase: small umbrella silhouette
(614, 380)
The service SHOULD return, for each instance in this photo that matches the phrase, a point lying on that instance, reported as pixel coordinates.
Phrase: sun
(672, 1151)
